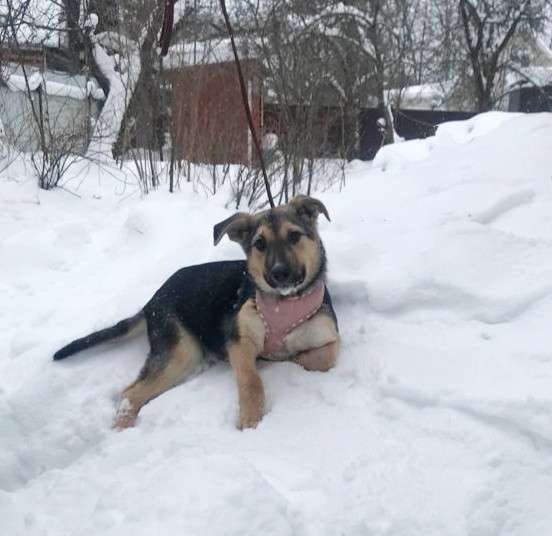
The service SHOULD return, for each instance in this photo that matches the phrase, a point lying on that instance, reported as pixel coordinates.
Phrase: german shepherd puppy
(274, 305)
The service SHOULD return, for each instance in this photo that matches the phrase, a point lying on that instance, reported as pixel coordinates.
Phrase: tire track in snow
(503, 206)
(500, 415)
(431, 294)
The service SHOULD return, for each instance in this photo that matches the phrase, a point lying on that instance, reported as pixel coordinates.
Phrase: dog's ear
(238, 228)
(309, 208)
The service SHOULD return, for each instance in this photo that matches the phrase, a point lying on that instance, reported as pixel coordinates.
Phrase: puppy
(274, 305)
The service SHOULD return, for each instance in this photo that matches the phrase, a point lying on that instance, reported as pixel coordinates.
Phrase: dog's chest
(314, 333)
(292, 325)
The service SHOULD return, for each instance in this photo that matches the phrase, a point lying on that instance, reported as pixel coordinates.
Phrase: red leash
(246, 103)
(166, 29)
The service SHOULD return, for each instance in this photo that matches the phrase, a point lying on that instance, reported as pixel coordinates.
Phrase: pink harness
(282, 315)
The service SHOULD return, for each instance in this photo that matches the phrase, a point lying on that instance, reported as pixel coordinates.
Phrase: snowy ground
(436, 421)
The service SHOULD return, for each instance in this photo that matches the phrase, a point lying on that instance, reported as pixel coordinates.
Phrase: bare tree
(374, 47)
(489, 26)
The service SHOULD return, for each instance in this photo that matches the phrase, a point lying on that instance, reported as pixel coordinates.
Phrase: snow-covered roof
(538, 72)
(37, 22)
(206, 52)
(530, 76)
(423, 96)
(114, 42)
(55, 83)
(544, 49)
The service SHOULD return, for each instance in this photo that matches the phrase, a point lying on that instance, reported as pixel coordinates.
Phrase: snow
(451, 133)
(122, 72)
(91, 21)
(436, 420)
(207, 52)
(421, 97)
(55, 83)
(325, 22)
(530, 76)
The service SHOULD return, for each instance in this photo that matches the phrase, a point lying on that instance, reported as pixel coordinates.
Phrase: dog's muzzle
(281, 276)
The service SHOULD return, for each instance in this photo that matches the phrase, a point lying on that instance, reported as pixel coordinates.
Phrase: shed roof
(54, 83)
(207, 52)
(530, 76)
(422, 96)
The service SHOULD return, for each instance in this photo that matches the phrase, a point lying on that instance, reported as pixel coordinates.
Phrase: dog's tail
(126, 327)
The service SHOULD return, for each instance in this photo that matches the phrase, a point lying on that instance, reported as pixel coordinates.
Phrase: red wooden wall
(208, 119)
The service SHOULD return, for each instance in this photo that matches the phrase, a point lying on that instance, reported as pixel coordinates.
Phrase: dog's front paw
(252, 401)
(250, 417)
(124, 421)
(251, 411)
(125, 417)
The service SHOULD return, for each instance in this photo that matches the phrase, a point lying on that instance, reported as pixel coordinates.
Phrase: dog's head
(284, 252)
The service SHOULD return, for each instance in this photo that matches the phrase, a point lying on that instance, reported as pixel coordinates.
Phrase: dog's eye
(294, 237)
(260, 244)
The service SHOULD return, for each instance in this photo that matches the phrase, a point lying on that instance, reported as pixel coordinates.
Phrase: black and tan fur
(210, 308)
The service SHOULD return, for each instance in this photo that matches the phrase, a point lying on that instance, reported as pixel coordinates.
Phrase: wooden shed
(208, 120)
(54, 106)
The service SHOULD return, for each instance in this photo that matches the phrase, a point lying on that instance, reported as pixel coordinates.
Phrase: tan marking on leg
(319, 359)
(316, 332)
(243, 355)
(139, 327)
(182, 361)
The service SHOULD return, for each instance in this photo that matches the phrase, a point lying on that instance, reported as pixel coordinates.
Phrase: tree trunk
(144, 104)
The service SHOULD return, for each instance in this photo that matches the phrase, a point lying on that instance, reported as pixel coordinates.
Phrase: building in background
(208, 122)
(529, 88)
(47, 96)
(59, 106)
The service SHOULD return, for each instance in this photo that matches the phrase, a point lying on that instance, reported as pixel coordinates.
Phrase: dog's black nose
(280, 273)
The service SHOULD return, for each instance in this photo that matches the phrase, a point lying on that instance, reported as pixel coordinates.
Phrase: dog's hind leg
(168, 365)
(318, 359)
(315, 343)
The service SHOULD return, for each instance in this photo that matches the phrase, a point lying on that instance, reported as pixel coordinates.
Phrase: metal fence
(409, 124)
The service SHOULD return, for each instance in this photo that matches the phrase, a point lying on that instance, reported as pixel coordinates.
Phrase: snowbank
(437, 419)
(450, 133)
